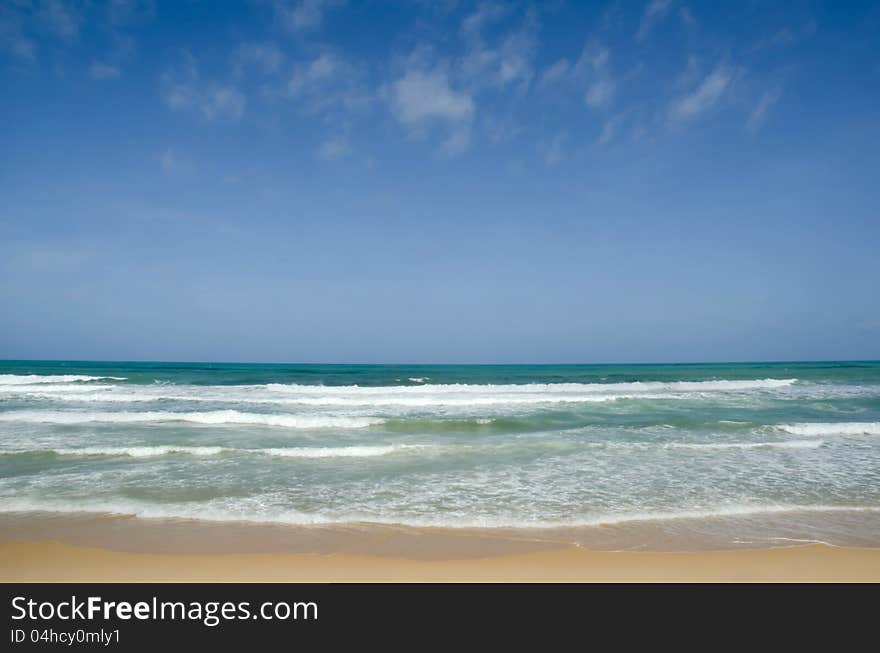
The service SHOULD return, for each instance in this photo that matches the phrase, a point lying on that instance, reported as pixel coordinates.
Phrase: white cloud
(599, 94)
(458, 140)
(321, 68)
(703, 97)
(552, 150)
(12, 38)
(183, 90)
(787, 36)
(222, 102)
(174, 165)
(500, 128)
(22, 48)
(687, 17)
(264, 57)
(334, 148)
(100, 70)
(594, 59)
(421, 95)
(509, 60)
(121, 13)
(328, 82)
(515, 58)
(610, 128)
(61, 18)
(654, 12)
(690, 74)
(486, 13)
(758, 115)
(593, 66)
(555, 73)
(303, 15)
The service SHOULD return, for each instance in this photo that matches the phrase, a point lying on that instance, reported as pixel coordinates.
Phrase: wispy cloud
(61, 18)
(334, 148)
(591, 72)
(504, 61)
(119, 16)
(264, 57)
(328, 82)
(12, 38)
(173, 164)
(758, 115)
(551, 150)
(593, 66)
(123, 13)
(59, 23)
(554, 73)
(100, 70)
(702, 98)
(599, 94)
(486, 13)
(458, 140)
(184, 90)
(787, 36)
(303, 15)
(612, 126)
(655, 11)
(316, 71)
(687, 17)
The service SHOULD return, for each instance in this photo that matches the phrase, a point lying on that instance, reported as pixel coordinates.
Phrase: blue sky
(338, 181)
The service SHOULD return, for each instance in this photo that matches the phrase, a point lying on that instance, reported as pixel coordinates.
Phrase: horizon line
(425, 364)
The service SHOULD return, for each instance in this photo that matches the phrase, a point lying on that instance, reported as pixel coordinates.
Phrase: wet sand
(100, 547)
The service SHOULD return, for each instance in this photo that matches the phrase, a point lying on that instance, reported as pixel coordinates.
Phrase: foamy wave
(28, 379)
(133, 452)
(255, 510)
(366, 451)
(831, 428)
(285, 452)
(217, 417)
(529, 388)
(411, 396)
(785, 444)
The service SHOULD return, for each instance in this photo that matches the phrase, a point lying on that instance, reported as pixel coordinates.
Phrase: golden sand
(51, 561)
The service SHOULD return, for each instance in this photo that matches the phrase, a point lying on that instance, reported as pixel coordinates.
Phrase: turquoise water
(457, 445)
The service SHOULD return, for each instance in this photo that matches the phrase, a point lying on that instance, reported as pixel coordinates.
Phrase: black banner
(146, 616)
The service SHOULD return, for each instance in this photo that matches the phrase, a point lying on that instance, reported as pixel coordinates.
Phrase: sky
(341, 181)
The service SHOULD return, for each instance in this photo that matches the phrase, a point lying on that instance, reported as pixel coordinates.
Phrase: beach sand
(53, 561)
(88, 547)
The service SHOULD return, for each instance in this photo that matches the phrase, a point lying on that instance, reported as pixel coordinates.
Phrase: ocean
(719, 454)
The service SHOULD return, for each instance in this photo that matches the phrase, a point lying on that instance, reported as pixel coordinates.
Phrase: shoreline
(168, 535)
(33, 561)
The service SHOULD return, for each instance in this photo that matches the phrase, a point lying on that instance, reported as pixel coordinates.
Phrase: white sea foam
(217, 417)
(784, 444)
(133, 452)
(529, 388)
(256, 510)
(419, 396)
(365, 451)
(29, 379)
(831, 428)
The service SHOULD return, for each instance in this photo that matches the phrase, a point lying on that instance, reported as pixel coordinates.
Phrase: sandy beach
(52, 561)
(46, 547)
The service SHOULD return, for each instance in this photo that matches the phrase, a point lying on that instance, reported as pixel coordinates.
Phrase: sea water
(520, 446)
